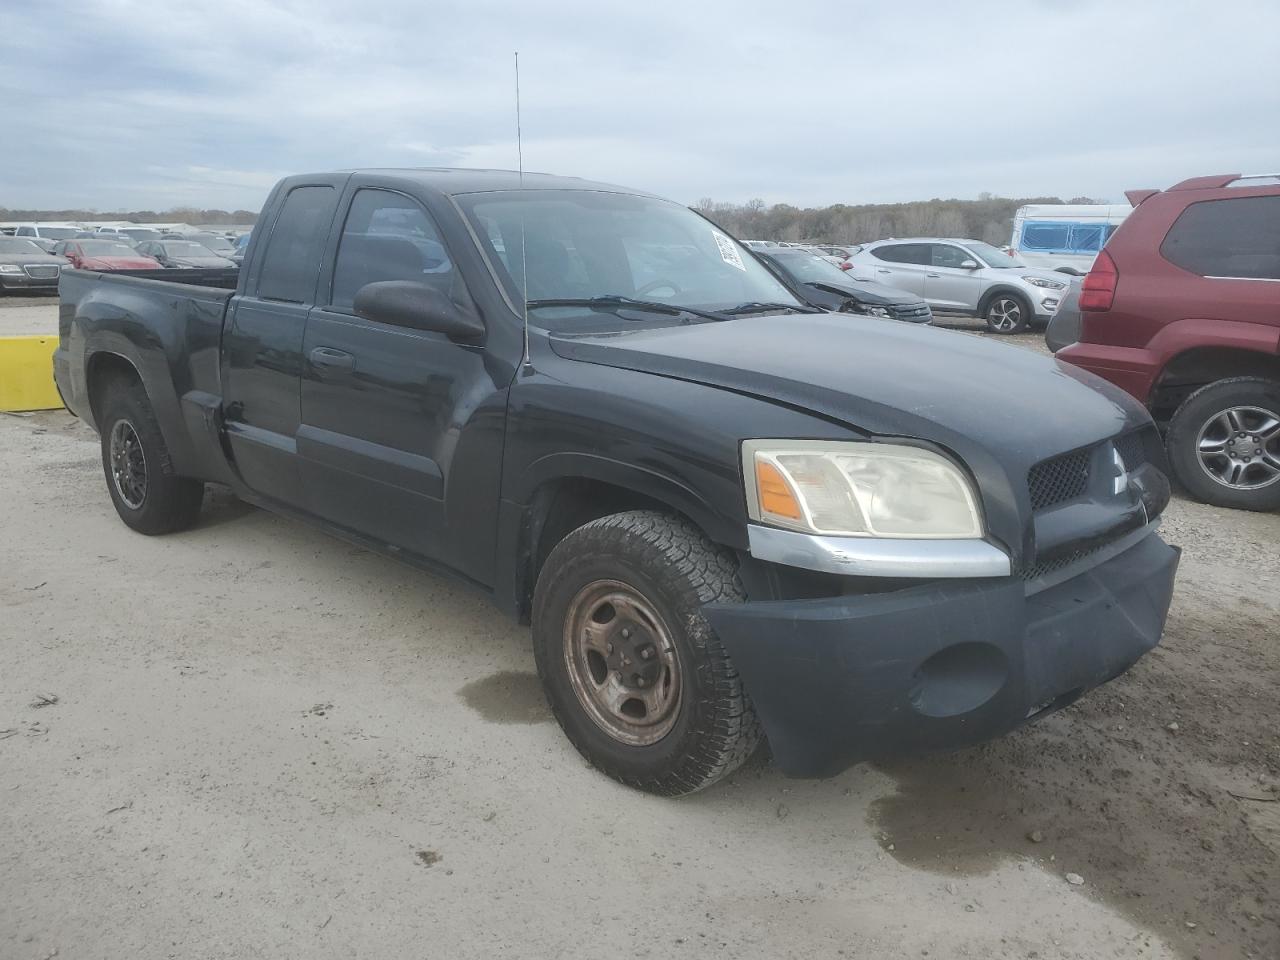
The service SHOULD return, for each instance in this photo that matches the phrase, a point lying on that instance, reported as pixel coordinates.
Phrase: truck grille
(1066, 477)
(1132, 449)
(38, 272)
(1059, 479)
(1045, 567)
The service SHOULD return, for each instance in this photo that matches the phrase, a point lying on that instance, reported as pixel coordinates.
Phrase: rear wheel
(147, 494)
(1224, 443)
(1007, 313)
(632, 669)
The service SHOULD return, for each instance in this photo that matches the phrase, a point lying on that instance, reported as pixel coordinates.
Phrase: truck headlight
(857, 489)
(1042, 282)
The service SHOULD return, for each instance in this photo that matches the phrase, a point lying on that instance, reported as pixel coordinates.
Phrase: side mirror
(970, 265)
(420, 306)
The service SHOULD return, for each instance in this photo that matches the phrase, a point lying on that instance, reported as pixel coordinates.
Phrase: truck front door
(387, 410)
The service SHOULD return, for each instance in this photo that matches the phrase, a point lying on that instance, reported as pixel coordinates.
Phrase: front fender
(637, 478)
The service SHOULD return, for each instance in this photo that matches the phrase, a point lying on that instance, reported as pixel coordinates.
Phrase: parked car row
(824, 285)
(950, 275)
(25, 266)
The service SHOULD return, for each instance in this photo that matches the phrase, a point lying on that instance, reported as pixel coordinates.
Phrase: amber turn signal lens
(775, 493)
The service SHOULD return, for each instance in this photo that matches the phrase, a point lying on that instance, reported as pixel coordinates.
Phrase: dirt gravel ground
(35, 313)
(252, 740)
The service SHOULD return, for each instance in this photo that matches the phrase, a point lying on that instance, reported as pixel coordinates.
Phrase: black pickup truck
(728, 516)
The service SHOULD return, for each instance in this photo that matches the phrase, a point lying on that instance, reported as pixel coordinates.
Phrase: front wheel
(147, 494)
(1224, 443)
(636, 677)
(1007, 313)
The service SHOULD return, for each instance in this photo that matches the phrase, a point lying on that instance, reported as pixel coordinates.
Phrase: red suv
(1182, 310)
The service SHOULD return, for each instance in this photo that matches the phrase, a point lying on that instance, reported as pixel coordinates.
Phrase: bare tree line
(988, 218)
(192, 215)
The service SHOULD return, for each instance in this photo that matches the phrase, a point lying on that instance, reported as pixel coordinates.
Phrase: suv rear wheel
(635, 675)
(1224, 443)
(1007, 313)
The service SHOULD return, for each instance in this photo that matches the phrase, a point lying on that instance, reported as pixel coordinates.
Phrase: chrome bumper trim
(875, 557)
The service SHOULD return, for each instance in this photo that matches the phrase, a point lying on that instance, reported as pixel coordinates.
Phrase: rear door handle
(333, 359)
(881, 270)
(934, 275)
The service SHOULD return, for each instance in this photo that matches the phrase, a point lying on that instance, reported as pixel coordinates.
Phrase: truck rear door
(262, 339)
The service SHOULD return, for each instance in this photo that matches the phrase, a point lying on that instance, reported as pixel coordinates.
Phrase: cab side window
(387, 236)
(292, 261)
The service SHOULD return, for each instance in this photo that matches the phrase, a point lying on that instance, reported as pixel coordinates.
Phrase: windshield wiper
(757, 307)
(610, 301)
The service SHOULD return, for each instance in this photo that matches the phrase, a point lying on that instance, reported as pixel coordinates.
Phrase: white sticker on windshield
(728, 252)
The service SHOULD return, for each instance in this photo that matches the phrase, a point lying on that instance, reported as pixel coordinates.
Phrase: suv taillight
(1099, 287)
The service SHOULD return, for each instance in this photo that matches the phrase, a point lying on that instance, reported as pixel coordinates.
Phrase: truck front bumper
(943, 665)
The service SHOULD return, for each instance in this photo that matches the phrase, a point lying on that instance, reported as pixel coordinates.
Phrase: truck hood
(999, 408)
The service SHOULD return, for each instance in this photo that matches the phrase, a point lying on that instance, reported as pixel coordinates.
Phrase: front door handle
(934, 275)
(333, 359)
(881, 270)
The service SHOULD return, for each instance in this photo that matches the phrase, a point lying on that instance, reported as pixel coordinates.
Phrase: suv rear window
(903, 253)
(1237, 238)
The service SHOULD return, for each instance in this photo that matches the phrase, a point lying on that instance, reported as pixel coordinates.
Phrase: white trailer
(1064, 236)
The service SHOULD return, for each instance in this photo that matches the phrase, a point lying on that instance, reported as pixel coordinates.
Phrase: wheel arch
(565, 491)
(112, 357)
(1195, 367)
(101, 368)
(995, 291)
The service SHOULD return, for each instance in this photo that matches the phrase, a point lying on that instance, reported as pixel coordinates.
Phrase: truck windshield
(581, 245)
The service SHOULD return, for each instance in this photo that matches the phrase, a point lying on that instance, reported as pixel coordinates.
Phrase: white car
(964, 276)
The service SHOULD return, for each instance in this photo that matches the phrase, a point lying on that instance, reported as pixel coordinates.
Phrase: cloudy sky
(120, 104)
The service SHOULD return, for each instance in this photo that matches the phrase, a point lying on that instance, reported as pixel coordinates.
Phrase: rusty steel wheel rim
(622, 663)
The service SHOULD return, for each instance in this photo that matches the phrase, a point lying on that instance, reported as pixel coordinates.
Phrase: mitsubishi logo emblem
(1121, 480)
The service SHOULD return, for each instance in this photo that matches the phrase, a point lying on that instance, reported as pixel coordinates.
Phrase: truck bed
(217, 278)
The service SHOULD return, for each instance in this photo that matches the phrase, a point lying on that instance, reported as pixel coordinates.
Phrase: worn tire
(1025, 313)
(676, 569)
(169, 502)
(1182, 441)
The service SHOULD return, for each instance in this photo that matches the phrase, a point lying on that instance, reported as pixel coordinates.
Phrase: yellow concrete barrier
(26, 373)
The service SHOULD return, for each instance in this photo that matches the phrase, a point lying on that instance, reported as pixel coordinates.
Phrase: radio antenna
(524, 260)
